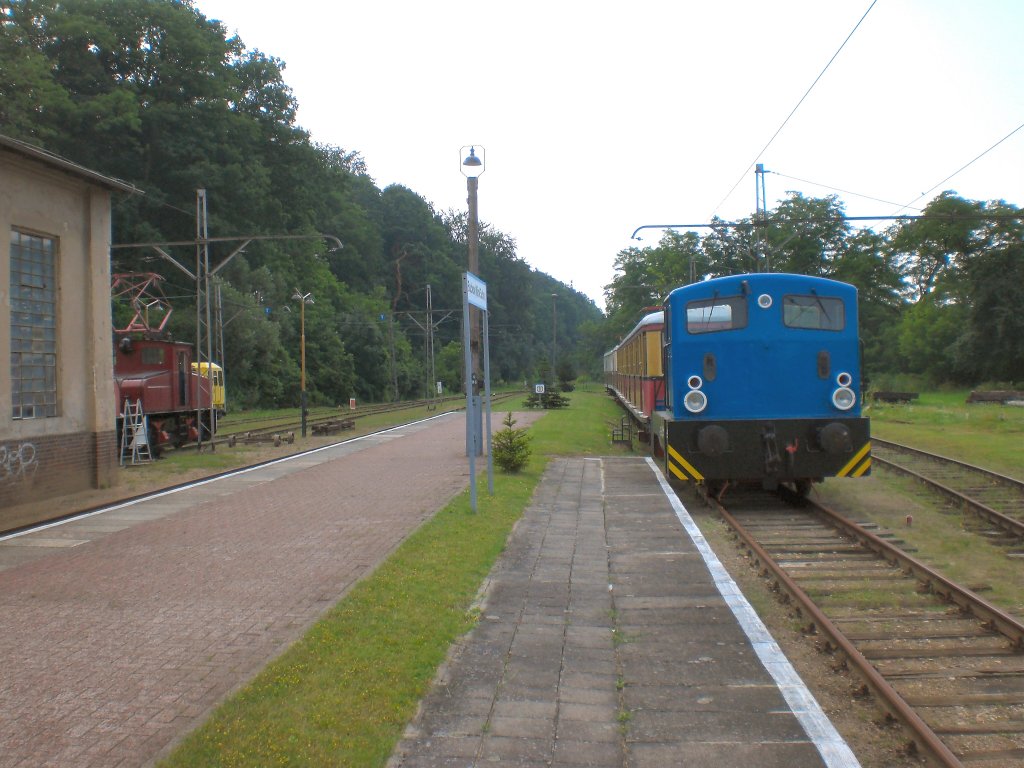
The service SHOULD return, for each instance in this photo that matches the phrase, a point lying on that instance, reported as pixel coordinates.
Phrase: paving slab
(120, 631)
(614, 638)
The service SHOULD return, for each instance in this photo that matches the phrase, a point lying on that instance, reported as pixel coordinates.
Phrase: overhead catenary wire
(837, 189)
(961, 169)
(793, 111)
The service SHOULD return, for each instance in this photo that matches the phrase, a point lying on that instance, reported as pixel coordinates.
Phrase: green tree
(930, 250)
(927, 334)
(511, 446)
(153, 92)
(991, 346)
(807, 236)
(868, 264)
(450, 367)
(631, 289)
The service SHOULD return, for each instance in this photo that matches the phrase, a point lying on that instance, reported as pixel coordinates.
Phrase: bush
(546, 400)
(511, 446)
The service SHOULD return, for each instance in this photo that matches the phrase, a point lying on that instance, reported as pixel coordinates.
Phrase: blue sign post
(474, 293)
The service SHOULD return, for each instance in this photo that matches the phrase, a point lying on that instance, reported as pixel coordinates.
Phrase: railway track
(316, 415)
(938, 658)
(997, 501)
(73, 510)
(283, 429)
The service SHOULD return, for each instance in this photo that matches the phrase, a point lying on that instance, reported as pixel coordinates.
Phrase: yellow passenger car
(219, 397)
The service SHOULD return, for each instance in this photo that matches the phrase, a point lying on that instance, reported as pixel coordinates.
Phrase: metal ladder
(135, 434)
(624, 434)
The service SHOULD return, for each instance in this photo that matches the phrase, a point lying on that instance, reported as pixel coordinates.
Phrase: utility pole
(201, 276)
(391, 343)
(761, 214)
(554, 337)
(303, 299)
(204, 355)
(432, 384)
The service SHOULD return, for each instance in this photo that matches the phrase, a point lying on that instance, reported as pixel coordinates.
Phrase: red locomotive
(160, 374)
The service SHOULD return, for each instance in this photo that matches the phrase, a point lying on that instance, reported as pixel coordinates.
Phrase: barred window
(33, 326)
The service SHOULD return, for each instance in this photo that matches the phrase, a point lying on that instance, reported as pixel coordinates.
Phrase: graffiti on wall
(17, 463)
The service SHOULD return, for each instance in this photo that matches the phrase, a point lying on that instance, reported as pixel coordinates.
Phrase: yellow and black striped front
(859, 465)
(781, 450)
(680, 468)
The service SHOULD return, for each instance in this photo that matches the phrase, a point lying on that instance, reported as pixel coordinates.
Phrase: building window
(33, 326)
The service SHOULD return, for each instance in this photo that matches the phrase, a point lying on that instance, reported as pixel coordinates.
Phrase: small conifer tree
(511, 446)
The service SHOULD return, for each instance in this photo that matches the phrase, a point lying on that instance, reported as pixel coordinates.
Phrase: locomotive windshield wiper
(710, 310)
(800, 305)
(821, 306)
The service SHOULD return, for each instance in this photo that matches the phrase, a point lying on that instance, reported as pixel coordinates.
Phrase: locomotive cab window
(152, 356)
(816, 313)
(725, 313)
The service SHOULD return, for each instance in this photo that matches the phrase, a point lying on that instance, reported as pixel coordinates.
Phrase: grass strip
(987, 434)
(343, 694)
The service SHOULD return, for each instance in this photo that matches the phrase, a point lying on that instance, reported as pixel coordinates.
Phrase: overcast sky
(600, 117)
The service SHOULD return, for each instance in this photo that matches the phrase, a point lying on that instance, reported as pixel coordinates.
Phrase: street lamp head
(472, 164)
(305, 298)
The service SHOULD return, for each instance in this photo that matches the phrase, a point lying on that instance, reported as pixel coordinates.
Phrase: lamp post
(303, 299)
(472, 166)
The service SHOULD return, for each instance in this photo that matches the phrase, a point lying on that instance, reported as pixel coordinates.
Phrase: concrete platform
(120, 631)
(610, 635)
(605, 639)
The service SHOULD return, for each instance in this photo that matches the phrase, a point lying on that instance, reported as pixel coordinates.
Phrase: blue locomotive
(762, 382)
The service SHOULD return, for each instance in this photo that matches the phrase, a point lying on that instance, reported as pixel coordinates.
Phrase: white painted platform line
(819, 729)
(225, 476)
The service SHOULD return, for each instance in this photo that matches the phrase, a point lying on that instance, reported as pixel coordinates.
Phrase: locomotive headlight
(695, 382)
(695, 401)
(844, 379)
(844, 398)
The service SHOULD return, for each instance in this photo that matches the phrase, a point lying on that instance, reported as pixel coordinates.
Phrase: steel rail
(992, 616)
(328, 414)
(1008, 524)
(325, 415)
(230, 438)
(925, 739)
(1005, 479)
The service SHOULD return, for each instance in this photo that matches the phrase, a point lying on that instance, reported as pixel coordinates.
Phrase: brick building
(57, 421)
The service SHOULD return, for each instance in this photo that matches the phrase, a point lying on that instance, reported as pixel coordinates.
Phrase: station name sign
(476, 290)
